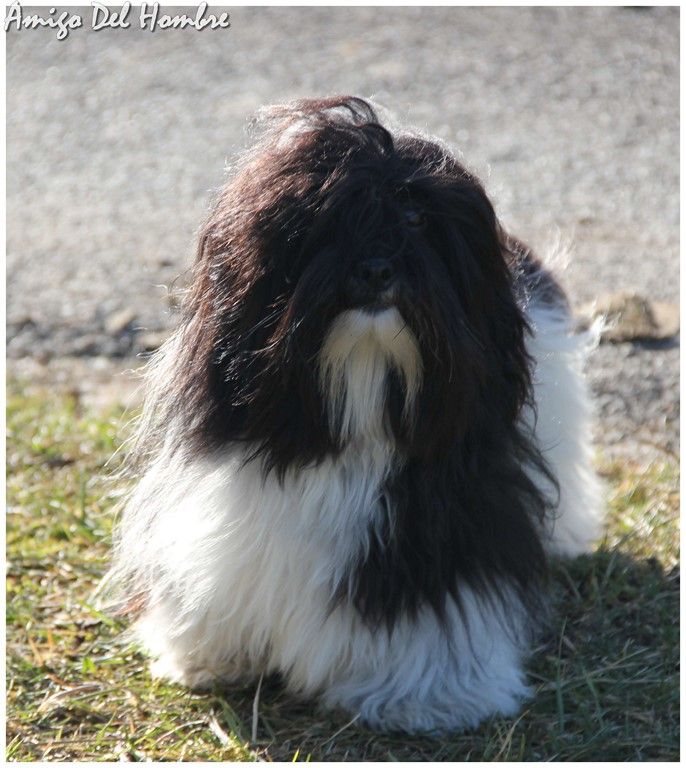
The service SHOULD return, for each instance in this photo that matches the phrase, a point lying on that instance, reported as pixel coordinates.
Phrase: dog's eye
(414, 218)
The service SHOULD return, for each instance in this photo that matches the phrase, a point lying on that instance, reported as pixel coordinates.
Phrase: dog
(365, 439)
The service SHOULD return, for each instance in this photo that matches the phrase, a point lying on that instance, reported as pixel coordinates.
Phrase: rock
(119, 321)
(86, 344)
(19, 322)
(152, 340)
(631, 317)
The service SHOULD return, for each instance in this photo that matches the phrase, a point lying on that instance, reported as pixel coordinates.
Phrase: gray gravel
(116, 139)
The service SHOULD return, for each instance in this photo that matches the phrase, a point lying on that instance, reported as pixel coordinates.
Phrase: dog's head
(350, 281)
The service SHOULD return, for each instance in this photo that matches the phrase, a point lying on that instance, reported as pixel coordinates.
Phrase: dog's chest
(284, 550)
(327, 513)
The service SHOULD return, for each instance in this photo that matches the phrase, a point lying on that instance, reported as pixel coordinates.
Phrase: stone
(151, 340)
(119, 321)
(629, 316)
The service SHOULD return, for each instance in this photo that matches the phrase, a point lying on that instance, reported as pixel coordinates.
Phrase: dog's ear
(258, 306)
(464, 309)
(242, 367)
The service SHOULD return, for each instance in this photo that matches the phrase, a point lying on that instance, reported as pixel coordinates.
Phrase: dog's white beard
(241, 569)
(359, 351)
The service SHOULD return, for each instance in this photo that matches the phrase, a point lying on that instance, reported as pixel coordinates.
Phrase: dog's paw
(199, 677)
(167, 668)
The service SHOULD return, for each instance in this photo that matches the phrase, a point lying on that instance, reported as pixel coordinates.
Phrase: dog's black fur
(326, 188)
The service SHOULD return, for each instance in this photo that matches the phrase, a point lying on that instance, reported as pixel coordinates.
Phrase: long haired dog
(365, 436)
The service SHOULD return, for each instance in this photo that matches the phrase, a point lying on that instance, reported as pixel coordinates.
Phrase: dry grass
(606, 674)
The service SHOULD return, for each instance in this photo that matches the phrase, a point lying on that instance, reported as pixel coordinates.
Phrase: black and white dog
(364, 438)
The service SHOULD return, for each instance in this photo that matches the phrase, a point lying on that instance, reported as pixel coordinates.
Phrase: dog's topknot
(339, 113)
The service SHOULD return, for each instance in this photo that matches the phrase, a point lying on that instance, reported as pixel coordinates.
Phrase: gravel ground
(116, 139)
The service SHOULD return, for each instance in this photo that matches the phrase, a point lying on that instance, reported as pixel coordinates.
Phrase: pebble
(119, 321)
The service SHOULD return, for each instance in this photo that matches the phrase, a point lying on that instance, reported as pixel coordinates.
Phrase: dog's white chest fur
(241, 569)
(276, 551)
(251, 568)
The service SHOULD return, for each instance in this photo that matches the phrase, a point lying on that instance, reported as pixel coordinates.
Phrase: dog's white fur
(563, 427)
(240, 570)
(358, 351)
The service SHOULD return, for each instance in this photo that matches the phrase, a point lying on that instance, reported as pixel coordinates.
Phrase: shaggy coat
(365, 436)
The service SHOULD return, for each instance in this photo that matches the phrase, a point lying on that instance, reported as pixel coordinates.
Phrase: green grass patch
(605, 674)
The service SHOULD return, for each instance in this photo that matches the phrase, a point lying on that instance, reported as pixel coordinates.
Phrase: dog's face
(350, 280)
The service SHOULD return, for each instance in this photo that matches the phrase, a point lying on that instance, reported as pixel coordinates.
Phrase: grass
(606, 673)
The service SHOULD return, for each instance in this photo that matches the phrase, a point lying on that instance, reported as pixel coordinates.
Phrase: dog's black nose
(375, 275)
